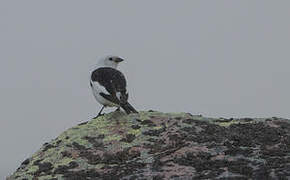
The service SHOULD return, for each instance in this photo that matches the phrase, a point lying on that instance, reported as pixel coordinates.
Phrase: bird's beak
(117, 60)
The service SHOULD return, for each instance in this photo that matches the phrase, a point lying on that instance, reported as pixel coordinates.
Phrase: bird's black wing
(114, 82)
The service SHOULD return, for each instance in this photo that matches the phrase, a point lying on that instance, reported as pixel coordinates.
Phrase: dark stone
(223, 120)
(118, 158)
(148, 123)
(253, 134)
(81, 175)
(78, 146)
(129, 138)
(155, 132)
(66, 154)
(101, 136)
(84, 152)
(47, 146)
(157, 164)
(58, 142)
(92, 159)
(138, 120)
(36, 163)
(178, 118)
(83, 123)
(45, 167)
(241, 167)
(247, 119)
(188, 121)
(26, 162)
(135, 126)
(158, 177)
(64, 169)
(152, 139)
(96, 143)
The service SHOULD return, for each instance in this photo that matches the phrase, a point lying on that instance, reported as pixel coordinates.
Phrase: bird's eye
(111, 59)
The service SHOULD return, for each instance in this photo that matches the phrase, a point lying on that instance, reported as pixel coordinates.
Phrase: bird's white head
(109, 61)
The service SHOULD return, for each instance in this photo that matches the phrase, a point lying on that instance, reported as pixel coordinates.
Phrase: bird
(109, 85)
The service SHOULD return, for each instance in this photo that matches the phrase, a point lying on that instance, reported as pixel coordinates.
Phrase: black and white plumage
(109, 85)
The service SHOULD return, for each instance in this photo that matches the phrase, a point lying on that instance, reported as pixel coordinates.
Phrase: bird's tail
(128, 108)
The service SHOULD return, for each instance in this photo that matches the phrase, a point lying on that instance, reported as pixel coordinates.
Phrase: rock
(155, 145)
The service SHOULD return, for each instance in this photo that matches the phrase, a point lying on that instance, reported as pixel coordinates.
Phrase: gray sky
(216, 58)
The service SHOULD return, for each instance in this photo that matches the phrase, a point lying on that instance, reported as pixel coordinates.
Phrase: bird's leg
(118, 109)
(99, 114)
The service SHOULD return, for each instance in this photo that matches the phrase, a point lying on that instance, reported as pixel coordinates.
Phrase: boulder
(156, 145)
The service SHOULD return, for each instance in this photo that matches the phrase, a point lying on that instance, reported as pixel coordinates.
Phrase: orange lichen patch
(118, 129)
(74, 154)
(159, 120)
(135, 150)
(195, 150)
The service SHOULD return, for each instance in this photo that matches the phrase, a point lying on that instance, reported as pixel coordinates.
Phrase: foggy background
(215, 58)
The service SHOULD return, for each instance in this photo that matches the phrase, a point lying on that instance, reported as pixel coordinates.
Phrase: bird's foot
(99, 115)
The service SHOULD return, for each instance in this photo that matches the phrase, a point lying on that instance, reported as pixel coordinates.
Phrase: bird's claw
(99, 115)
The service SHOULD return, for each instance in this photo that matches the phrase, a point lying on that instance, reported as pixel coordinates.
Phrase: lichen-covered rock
(154, 145)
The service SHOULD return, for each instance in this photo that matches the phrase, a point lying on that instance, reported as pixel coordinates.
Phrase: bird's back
(111, 78)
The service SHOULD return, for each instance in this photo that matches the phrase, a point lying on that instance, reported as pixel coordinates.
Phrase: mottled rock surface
(155, 145)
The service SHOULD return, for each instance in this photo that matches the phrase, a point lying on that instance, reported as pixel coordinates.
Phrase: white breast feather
(97, 89)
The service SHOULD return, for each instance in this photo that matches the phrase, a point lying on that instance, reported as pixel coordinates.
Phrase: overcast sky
(215, 58)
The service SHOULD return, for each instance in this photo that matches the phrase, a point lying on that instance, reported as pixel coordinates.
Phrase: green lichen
(20, 176)
(63, 162)
(99, 166)
(136, 132)
(157, 127)
(45, 177)
(32, 169)
(235, 121)
(113, 137)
